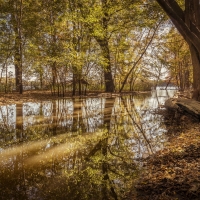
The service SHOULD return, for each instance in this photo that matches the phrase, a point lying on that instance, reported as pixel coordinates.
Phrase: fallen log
(185, 105)
(189, 105)
(171, 104)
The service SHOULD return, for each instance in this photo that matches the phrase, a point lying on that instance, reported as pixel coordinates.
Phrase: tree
(141, 55)
(12, 15)
(169, 59)
(6, 50)
(21, 27)
(51, 44)
(16, 18)
(105, 18)
(178, 60)
(187, 21)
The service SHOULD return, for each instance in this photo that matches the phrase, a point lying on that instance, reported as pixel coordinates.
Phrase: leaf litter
(174, 172)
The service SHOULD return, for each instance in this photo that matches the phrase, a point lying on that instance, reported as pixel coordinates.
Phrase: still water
(78, 148)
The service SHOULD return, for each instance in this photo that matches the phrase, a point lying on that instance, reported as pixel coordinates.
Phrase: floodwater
(78, 148)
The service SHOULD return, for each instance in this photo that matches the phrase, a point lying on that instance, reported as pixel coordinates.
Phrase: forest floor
(174, 172)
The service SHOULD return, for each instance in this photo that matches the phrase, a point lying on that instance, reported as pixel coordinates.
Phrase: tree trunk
(18, 77)
(74, 84)
(17, 25)
(196, 72)
(109, 83)
(187, 79)
(41, 81)
(54, 77)
(79, 86)
(6, 83)
(192, 14)
(188, 24)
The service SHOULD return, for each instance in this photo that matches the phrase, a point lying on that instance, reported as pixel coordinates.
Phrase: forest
(99, 99)
(113, 46)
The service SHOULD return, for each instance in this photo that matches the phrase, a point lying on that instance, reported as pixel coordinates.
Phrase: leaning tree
(185, 14)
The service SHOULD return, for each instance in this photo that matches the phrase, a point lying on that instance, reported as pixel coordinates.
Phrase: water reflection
(77, 148)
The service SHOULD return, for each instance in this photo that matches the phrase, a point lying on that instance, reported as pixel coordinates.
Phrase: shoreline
(173, 173)
(12, 98)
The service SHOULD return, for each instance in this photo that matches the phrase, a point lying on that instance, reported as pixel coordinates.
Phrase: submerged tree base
(174, 172)
(34, 96)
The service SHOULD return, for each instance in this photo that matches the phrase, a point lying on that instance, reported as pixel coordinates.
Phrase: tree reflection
(106, 182)
(78, 124)
(19, 122)
(91, 155)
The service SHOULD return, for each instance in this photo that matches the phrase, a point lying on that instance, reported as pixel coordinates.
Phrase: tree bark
(54, 78)
(188, 24)
(74, 83)
(196, 72)
(176, 14)
(103, 42)
(109, 83)
(17, 26)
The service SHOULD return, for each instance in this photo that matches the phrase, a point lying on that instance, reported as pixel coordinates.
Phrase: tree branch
(174, 12)
(135, 64)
